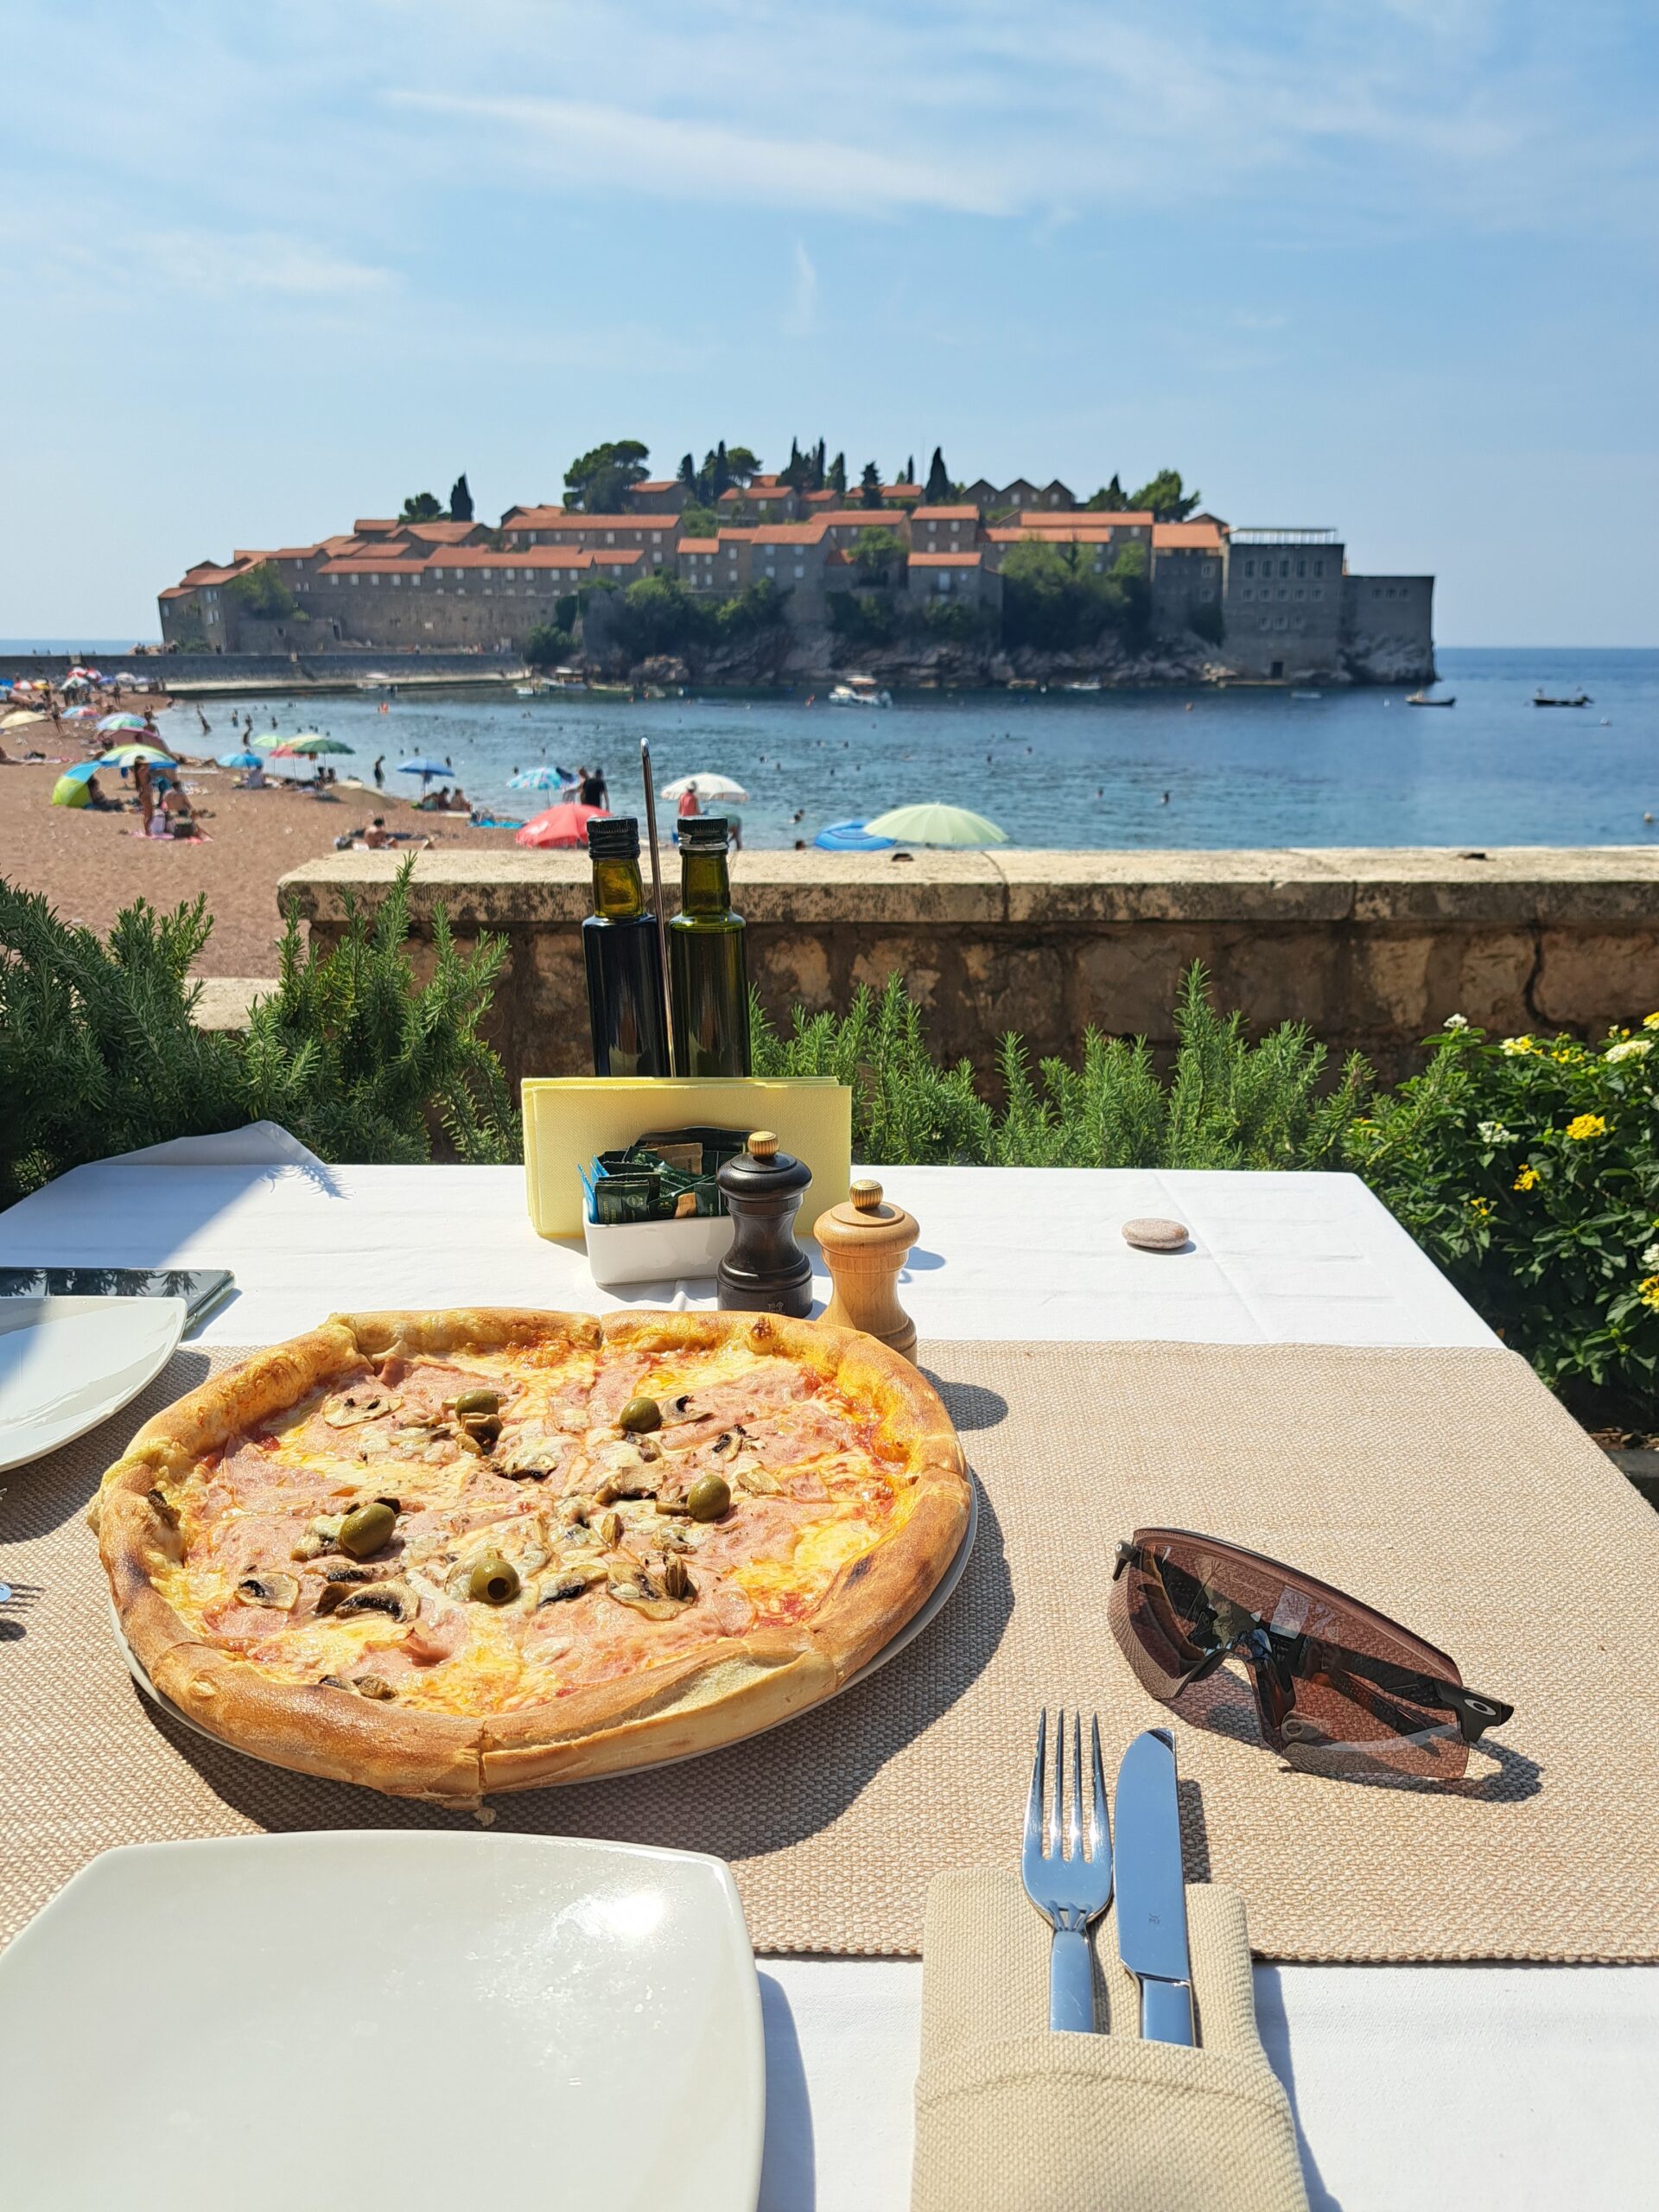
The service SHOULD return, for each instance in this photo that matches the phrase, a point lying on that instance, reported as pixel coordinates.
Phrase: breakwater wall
(1372, 949)
(210, 674)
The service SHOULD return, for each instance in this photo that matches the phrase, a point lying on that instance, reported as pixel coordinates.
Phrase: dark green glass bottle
(621, 952)
(707, 962)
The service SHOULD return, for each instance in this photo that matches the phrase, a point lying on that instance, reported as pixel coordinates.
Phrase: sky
(1383, 264)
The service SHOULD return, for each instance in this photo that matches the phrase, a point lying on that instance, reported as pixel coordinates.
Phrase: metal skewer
(657, 894)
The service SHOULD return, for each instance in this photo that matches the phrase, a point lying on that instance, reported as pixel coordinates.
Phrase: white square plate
(334, 2020)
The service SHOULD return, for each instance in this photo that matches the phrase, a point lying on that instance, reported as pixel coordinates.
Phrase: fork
(1070, 1889)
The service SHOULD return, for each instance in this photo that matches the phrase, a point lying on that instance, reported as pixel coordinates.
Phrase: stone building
(1283, 605)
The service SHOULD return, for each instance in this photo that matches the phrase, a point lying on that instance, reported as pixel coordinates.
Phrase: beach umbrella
(309, 744)
(82, 772)
(121, 722)
(19, 717)
(81, 714)
(933, 824)
(705, 787)
(424, 769)
(126, 756)
(70, 790)
(560, 827)
(545, 777)
(851, 837)
(241, 760)
(268, 741)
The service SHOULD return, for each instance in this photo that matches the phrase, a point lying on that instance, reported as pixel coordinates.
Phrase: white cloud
(803, 305)
(621, 149)
(218, 265)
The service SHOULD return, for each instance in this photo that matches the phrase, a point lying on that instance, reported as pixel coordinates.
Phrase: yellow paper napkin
(1011, 2117)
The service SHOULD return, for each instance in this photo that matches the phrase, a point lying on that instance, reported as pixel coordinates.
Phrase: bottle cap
(613, 837)
(704, 833)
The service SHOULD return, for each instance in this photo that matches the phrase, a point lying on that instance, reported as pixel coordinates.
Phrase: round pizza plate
(940, 1598)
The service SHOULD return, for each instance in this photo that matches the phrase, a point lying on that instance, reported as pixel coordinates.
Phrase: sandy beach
(90, 865)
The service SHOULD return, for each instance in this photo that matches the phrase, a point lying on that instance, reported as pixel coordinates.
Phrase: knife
(1149, 1891)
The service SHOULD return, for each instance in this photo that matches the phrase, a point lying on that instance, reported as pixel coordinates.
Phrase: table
(1472, 2086)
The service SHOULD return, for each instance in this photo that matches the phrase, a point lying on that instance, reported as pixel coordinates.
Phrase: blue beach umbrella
(241, 760)
(121, 722)
(424, 769)
(82, 772)
(851, 837)
(545, 778)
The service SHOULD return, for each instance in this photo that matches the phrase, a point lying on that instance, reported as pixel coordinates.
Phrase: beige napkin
(1011, 2117)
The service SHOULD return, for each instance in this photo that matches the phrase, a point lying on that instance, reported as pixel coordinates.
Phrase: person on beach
(179, 814)
(375, 836)
(689, 803)
(380, 774)
(593, 792)
(143, 784)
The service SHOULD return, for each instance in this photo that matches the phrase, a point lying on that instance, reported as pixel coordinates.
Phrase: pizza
(448, 1554)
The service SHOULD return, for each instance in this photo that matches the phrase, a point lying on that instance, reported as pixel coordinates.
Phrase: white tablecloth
(1433, 2087)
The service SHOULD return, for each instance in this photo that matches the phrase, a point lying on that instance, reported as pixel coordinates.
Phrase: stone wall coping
(1519, 884)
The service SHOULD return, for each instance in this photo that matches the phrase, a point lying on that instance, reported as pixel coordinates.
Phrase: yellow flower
(1648, 1291)
(1587, 1125)
(1528, 1179)
(1517, 1047)
(1481, 1208)
(1650, 1021)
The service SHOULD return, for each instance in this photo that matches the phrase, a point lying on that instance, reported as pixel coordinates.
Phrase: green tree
(548, 645)
(740, 463)
(838, 475)
(795, 468)
(659, 615)
(423, 507)
(1110, 499)
(687, 478)
(861, 619)
(937, 492)
(910, 470)
(1054, 601)
(598, 481)
(874, 554)
(759, 607)
(1164, 498)
(461, 499)
(720, 472)
(262, 593)
(699, 522)
(869, 486)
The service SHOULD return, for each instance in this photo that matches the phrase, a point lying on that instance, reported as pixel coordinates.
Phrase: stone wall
(1372, 949)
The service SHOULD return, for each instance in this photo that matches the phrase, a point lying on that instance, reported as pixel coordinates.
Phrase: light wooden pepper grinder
(864, 1243)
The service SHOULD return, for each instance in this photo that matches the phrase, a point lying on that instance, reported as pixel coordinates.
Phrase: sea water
(1244, 766)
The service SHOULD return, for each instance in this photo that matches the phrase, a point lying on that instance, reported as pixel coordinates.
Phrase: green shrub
(262, 593)
(956, 621)
(99, 1054)
(1529, 1169)
(548, 644)
(861, 619)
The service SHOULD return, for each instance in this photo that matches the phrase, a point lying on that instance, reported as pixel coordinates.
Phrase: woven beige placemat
(1446, 1487)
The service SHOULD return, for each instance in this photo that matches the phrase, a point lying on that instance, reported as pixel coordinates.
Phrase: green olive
(494, 1580)
(367, 1528)
(478, 1401)
(639, 1415)
(709, 1497)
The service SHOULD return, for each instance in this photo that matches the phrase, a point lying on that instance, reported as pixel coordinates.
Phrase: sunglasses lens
(1338, 1690)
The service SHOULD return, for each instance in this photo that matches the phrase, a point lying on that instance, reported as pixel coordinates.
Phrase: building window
(1301, 568)
(1248, 593)
(610, 537)
(1267, 621)
(1301, 592)
(333, 579)
(1249, 570)
(1319, 568)
(354, 583)
(799, 570)
(397, 579)
(1318, 591)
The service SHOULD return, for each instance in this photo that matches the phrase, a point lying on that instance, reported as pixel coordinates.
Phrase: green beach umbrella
(933, 824)
(124, 756)
(70, 790)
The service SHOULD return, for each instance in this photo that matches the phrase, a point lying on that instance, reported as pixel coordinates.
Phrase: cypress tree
(938, 481)
(869, 486)
(461, 499)
(838, 474)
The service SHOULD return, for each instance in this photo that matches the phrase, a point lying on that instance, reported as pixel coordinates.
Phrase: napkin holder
(570, 1120)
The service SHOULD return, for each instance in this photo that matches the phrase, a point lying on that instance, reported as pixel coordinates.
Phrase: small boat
(859, 691)
(1088, 683)
(1422, 699)
(1307, 695)
(609, 691)
(1542, 698)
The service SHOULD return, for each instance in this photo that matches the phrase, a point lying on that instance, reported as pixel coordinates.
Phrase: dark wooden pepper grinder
(766, 1271)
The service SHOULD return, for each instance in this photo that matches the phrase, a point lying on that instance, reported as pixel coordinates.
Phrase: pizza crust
(696, 1702)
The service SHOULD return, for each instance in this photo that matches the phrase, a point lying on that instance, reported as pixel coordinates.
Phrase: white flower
(1494, 1133)
(1515, 1048)
(1650, 1257)
(1633, 1048)
(1457, 1021)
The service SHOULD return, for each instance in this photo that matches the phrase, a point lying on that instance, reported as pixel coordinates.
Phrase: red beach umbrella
(560, 827)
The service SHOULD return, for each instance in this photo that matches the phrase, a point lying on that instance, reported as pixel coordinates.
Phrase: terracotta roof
(946, 560)
(1170, 537)
(901, 492)
(657, 484)
(441, 533)
(613, 556)
(865, 518)
(364, 525)
(791, 533)
(573, 518)
(946, 514)
(757, 495)
(209, 572)
(297, 552)
(1068, 518)
(823, 498)
(738, 534)
(699, 545)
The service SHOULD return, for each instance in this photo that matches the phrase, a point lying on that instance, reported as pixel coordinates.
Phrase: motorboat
(1542, 698)
(1422, 699)
(859, 691)
(1085, 683)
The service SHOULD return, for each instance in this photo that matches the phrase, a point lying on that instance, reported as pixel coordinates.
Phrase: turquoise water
(1109, 769)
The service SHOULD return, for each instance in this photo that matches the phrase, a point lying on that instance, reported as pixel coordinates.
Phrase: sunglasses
(1339, 1688)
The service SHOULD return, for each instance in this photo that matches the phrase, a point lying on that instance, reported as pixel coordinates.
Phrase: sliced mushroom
(569, 1582)
(395, 1599)
(374, 1686)
(359, 1406)
(269, 1588)
(729, 1442)
(166, 1513)
(660, 1596)
(756, 1481)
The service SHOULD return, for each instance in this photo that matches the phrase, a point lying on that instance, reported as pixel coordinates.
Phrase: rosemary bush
(99, 1054)
(1227, 1104)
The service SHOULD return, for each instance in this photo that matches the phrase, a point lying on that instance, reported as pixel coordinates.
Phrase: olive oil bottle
(707, 962)
(620, 951)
